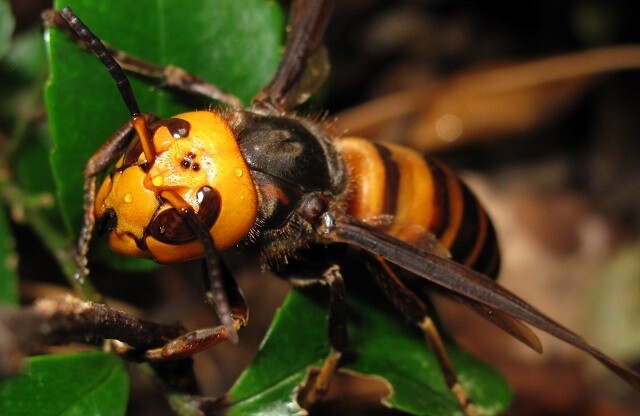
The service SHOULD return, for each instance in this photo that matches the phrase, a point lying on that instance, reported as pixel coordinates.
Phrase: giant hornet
(195, 184)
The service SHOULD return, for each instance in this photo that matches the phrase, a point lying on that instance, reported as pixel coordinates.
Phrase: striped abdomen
(416, 198)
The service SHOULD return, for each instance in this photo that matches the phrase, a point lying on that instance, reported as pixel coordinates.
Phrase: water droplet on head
(239, 172)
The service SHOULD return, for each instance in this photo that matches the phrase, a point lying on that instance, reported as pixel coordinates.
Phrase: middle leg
(316, 385)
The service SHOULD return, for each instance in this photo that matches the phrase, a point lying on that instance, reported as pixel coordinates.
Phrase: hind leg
(417, 311)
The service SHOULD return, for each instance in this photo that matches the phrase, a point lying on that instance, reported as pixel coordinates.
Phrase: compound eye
(178, 128)
(171, 228)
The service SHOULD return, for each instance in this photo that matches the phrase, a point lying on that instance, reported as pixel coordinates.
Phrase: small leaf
(8, 264)
(22, 75)
(29, 188)
(7, 24)
(381, 344)
(94, 383)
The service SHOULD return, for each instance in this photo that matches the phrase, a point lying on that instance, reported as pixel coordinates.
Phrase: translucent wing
(416, 235)
(507, 323)
(425, 240)
(465, 283)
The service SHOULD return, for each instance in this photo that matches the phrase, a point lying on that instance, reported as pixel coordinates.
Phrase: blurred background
(551, 146)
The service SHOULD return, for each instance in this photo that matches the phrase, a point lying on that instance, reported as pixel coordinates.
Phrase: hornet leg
(417, 311)
(315, 387)
(108, 153)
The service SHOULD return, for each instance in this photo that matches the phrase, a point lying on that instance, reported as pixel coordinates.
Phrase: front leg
(101, 160)
(223, 294)
(108, 153)
(204, 338)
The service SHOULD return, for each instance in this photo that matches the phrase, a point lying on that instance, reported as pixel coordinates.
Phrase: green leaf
(7, 24)
(234, 44)
(23, 73)
(28, 188)
(94, 383)
(8, 264)
(296, 340)
(33, 173)
(381, 344)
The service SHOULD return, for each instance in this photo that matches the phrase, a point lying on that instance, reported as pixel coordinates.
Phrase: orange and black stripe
(414, 194)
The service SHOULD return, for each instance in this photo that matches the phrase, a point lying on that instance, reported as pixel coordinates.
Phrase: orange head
(196, 157)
